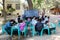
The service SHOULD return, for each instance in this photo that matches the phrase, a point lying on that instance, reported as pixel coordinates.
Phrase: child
(18, 18)
(34, 21)
(46, 18)
(22, 25)
(28, 21)
(39, 26)
(8, 25)
(43, 21)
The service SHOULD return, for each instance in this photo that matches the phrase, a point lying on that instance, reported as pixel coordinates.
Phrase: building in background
(18, 5)
(15, 4)
(1, 6)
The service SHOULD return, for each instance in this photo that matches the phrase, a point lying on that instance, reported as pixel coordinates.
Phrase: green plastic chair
(25, 31)
(15, 27)
(3, 30)
(53, 25)
(58, 23)
(45, 28)
(32, 27)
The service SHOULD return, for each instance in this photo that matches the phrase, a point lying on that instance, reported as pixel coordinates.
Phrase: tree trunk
(30, 4)
(4, 12)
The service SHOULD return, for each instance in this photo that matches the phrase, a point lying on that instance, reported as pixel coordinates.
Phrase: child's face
(11, 21)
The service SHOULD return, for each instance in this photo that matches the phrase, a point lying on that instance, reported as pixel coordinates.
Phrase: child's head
(28, 19)
(19, 16)
(45, 16)
(46, 22)
(20, 21)
(17, 13)
(11, 20)
(39, 20)
(48, 17)
(42, 19)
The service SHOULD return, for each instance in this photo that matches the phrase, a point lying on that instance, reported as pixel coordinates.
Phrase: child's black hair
(19, 16)
(45, 16)
(48, 17)
(46, 22)
(39, 20)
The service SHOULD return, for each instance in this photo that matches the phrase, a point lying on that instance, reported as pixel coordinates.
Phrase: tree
(34, 3)
(4, 12)
(30, 4)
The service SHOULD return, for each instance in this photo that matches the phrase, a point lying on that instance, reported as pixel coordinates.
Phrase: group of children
(36, 21)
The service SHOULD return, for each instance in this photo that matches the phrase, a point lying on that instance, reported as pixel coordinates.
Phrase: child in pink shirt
(22, 25)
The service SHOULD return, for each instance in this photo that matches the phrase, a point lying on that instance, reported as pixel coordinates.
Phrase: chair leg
(2, 31)
(18, 33)
(59, 24)
(33, 33)
(24, 34)
(6, 32)
(54, 31)
(41, 33)
(48, 32)
(11, 32)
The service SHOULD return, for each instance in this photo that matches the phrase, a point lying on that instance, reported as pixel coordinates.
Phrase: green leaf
(33, 0)
(39, 2)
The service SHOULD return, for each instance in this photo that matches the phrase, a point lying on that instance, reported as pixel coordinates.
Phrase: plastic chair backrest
(53, 25)
(45, 25)
(59, 21)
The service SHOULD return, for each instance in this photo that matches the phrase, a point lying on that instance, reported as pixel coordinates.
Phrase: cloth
(45, 25)
(28, 21)
(7, 27)
(39, 26)
(8, 30)
(51, 29)
(22, 25)
(8, 24)
(43, 22)
(33, 22)
(17, 25)
(18, 19)
(46, 19)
